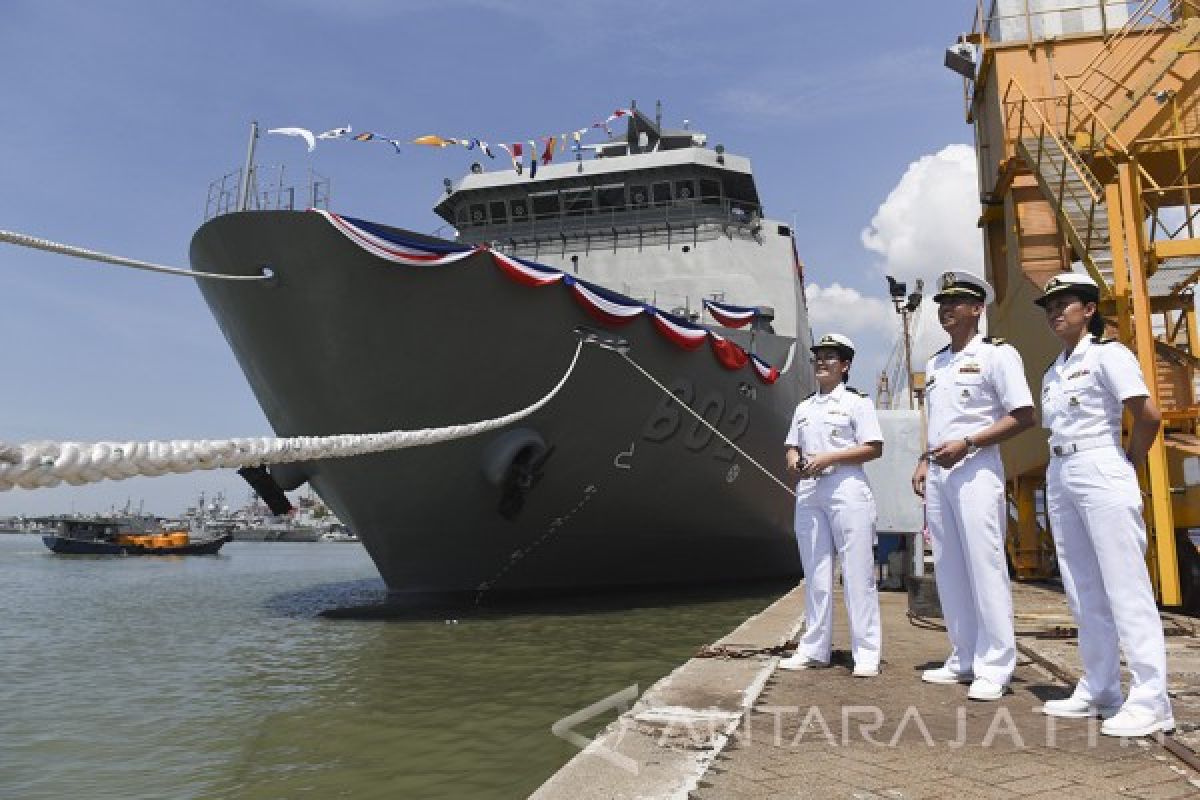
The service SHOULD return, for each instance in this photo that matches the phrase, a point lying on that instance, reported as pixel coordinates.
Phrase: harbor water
(217, 677)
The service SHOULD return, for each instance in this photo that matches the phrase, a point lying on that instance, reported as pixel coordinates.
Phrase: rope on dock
(48, 464)
(33, 242)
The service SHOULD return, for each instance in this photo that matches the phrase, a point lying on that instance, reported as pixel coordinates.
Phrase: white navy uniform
(835, 513)
(1095, 509)
(966, 392)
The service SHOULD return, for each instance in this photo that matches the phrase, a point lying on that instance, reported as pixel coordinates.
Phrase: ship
(126, 536)
(656, 247)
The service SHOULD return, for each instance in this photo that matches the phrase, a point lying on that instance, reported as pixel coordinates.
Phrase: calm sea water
(215, 677)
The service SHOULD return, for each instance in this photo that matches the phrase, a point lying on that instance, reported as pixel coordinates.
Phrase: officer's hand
(949, 453)
(793, 460)
(815, 464)
(918, 478)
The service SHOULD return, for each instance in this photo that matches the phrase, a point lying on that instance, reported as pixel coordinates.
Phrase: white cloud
(841, 309)
(927, 224)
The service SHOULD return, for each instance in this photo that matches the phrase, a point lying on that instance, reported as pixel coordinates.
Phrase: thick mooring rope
(22, 240)
(38, 465)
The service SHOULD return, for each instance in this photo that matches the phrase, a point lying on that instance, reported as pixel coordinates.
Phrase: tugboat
(111, 537)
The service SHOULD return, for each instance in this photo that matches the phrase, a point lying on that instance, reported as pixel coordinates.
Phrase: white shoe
(799, 661)
(946, 675)
(1074, 708)
(1136, 722)
(983, 689)
(865, 672)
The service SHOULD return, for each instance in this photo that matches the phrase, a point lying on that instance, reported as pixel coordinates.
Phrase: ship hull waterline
(635, 492)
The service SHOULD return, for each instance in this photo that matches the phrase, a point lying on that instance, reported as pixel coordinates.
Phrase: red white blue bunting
(731, 316)
(605, 305)
(392, 249)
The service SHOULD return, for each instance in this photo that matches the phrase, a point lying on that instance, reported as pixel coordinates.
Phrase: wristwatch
(972, 448)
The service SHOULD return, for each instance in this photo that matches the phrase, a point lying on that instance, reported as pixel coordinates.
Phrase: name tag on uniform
(969, 369)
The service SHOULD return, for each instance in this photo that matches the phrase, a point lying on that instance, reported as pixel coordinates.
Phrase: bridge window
(611, 197)
(661, 193)
(685, 190)
(478, 214)
(461, 214)
(638, 196)
(577, 202)
(545, 205)
(520, 209)
(710, 191)
(499, 211)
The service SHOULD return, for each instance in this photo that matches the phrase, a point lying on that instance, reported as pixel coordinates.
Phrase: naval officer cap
(958, 283)
(837, 342)
(1075, 283)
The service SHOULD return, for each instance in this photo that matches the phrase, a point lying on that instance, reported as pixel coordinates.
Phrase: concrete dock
(728, 724)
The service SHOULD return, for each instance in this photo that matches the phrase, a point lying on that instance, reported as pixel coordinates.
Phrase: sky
(119, 114)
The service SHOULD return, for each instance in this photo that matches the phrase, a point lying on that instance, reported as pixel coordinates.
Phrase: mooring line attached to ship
(621, 348)
(37, 465)
(35, 243)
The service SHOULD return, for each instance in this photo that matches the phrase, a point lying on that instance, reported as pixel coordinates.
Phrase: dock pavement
(729, 724)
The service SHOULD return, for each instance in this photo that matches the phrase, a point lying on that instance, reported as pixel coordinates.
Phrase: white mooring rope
(47, 464)
(22, 240)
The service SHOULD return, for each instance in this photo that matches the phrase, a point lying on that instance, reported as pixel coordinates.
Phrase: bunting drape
(604, 305)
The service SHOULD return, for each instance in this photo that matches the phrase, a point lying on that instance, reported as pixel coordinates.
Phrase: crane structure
(1087, 133)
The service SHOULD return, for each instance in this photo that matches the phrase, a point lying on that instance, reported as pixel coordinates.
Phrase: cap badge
(948, 280)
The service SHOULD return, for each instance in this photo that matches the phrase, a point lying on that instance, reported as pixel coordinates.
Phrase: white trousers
(1095, 509)
(835, 514)
(967, 521)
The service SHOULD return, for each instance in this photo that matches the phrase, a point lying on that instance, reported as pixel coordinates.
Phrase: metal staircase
(1173, 50)
(1077, 197)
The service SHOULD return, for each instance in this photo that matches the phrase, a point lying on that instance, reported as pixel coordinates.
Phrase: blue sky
(119, 114)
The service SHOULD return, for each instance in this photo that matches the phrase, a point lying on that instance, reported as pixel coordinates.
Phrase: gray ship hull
(634, 492)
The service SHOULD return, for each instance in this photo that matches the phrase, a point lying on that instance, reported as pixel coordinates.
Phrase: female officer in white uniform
(1095, 510)
(833, 433)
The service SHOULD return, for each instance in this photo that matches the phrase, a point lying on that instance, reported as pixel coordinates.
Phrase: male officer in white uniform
(834, 432)
(976, 397)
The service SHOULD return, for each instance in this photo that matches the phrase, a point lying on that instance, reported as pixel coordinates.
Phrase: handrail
(1047, 128)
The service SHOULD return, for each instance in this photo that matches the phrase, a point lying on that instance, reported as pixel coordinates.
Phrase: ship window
(638, 196)
(685, 190)
(545, 205)
(661, 192)
(478, 214)
(499, 211)
(710, 191)
(577, 202)
(460, 214)
(520, 209)
(610, 197)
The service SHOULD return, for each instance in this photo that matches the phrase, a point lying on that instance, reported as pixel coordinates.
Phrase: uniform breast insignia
(994, 340)
(929, 383)
(969, 369)
(1073, 402)
(1079, 373)
(966, 393)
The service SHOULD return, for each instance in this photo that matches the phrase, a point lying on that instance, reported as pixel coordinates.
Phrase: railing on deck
(679, 222)
(270, 190)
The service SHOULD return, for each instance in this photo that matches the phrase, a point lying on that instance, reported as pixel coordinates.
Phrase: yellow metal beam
(1176, 248)
(1164, 565)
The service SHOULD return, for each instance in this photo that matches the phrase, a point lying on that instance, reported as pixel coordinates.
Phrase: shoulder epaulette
(994, 340)
(944, 349)
(810, 394)
(1102, 340)
(852, 390)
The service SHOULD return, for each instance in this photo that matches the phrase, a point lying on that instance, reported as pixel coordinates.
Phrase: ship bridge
(655, 214)
(651, 186)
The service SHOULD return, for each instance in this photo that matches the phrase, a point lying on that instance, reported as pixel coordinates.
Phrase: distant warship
(610, 485)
